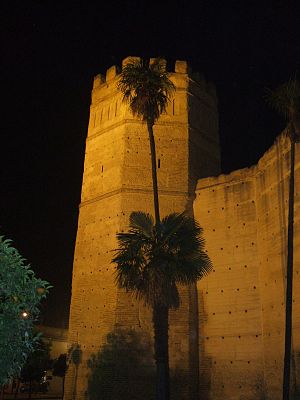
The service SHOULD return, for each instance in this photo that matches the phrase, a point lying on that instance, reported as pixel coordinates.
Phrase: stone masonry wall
(241, 303)
(117, 181)
(229, 331)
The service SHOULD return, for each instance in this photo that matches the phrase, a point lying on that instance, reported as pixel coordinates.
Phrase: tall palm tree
(147, 88)
(286, 100)
(152, 259)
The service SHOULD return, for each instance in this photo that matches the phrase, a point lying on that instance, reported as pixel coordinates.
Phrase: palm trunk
(161, 351)
(160, 312)
(289, 281)
(154, 171)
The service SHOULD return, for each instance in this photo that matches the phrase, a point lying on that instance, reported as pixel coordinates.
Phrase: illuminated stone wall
(238, 337)
(241, 303)
(117, 180)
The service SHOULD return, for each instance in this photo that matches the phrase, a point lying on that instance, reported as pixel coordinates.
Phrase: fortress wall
(94, 293)
(272, 204)
(241, 303)
(244, 214)
(229, 303)
(103, 170)
(171, 153)
(117, 180)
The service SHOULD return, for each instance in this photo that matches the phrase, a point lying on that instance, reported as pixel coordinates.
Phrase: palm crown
(151, 259)
(286, 101)
(146, 87)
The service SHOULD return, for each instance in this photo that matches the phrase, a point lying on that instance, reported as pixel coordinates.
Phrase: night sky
(50, 52)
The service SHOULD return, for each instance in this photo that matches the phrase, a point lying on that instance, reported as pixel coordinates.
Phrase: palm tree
(286, 100)
(152, 259)
(147, 89)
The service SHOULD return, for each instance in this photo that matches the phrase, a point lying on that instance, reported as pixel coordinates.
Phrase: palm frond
(286, 98)
(146, 87)
(171, 224)
(151, 260)
(142, 222)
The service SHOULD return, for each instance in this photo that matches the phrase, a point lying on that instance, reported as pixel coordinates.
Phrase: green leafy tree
(20, 295)
(286, 100)
(60, 369)
(147, 89)
(152, 259)
(38, 362)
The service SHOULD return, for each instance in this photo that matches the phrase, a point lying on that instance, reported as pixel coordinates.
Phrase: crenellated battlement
(193, 104)
(181, 69)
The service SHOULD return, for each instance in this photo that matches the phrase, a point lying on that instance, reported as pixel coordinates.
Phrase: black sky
(50, 52)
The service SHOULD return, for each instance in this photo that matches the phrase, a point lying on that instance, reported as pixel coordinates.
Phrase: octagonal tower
(116, 181)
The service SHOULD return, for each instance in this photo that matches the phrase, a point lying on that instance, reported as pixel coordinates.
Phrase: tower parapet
(180, 67)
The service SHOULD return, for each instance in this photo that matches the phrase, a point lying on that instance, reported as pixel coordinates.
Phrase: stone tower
(117, 181)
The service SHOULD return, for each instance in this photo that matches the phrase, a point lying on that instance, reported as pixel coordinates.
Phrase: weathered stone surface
(227, 336)
(244, 216)
(181, 67)
(117, 180)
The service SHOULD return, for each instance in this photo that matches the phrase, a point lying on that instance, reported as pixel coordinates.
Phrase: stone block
(98, 81)
(129, 59)
(111, 73)
(181, 67)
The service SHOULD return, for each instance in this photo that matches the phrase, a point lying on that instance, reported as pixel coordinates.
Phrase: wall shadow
(123, 368)
(205, 361)
(204, 159)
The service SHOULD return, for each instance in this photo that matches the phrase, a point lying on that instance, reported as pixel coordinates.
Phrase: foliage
(286, 101)
(60, 366)
(20, 295)
(151, 260)
(123, 369)
(37, 363)
(146, 87)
